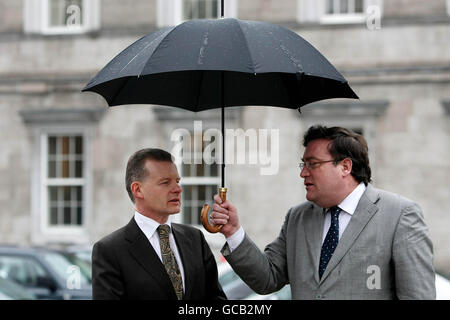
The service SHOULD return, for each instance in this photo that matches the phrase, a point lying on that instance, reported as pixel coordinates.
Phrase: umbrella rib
(120, 91)
(162, 36)
(246, 44)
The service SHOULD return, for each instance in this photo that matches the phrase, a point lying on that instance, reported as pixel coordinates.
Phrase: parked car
(236, 289)
(82, 252)
(45, 273)
(10, 290)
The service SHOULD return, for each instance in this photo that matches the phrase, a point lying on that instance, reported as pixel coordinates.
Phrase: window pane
(200, 170)
(67, 216)
(343, 6)
(78, 145)
(359, 6)
(187, 215)
(51, 169)
(202, 192)
(79, 195)
(67, 193)
(195, 214)
(52, 145)
(213, 170)
(199, 9)
(78, 169)
(187, 192)
(65, 12)
(330, 7)
(79, 216)
(53, 215)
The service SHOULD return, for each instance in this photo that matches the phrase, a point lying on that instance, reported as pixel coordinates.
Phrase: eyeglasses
(312, 165)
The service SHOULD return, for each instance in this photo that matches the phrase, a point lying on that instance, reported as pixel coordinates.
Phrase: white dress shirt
(348, 207)
(148, 227)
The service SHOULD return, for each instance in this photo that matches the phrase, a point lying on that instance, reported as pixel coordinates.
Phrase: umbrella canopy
(205, 64)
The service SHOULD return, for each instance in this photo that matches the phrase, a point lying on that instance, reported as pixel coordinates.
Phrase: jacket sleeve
(264, 272)
(107, 282)
(413, 256)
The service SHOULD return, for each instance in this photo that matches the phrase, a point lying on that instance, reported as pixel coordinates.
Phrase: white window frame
(340, 18)
(36, 18)
(44, 232)
(170, 12)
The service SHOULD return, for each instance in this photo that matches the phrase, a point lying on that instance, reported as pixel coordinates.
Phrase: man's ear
(347, 165)
(136, 189)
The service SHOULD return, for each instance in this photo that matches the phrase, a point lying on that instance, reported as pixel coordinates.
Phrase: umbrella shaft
(222, 9)
(223, 141)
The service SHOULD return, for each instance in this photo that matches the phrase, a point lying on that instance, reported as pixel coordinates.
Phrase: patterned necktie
(331, 240)
(169, 261)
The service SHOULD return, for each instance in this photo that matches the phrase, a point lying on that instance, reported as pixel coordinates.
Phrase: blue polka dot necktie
(331, 240)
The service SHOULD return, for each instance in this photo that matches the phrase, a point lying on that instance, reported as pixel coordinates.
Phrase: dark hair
(344, 144)
(136, 170)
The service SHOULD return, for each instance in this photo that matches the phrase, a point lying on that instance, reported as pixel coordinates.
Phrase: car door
(29, 272)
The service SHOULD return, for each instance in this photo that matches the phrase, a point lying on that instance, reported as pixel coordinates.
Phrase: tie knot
(163, 231)
(335, 211)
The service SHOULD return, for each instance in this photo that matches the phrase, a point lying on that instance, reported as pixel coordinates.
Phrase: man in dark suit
(151, 258)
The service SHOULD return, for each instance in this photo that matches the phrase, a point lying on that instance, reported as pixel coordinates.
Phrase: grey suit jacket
(384, 253)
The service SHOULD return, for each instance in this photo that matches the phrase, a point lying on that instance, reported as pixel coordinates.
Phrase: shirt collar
(350, 203)
(148, 225)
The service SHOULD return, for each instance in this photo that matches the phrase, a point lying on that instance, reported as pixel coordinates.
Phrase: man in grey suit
(348, 241)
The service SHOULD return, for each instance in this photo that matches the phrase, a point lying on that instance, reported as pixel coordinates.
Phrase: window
(338, 11)
(61, 190)
(61, 16)
(200, 9)
(173, 12)
(63, 182)
(344, 6)
(64, 179)
(200, 182)
(344, 11)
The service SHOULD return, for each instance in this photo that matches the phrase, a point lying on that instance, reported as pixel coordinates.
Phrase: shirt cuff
(235, 239)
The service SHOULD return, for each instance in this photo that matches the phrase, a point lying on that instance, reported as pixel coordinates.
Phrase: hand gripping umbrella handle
(205, 217)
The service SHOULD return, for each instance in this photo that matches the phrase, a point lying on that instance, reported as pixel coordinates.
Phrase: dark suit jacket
(125, 266)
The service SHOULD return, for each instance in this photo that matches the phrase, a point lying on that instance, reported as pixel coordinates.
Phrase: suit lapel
(314, 230)
(184, 245)
(364, 212)
(141, 250)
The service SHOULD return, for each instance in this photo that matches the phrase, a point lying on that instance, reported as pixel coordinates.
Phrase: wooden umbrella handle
(204, 215)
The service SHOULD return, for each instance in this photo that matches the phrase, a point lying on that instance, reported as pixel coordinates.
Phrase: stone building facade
(64, 152)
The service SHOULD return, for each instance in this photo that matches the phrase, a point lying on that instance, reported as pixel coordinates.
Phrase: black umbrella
(207, 64)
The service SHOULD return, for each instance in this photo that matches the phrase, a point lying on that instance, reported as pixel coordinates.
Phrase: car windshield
(85, 265)
(71, 272)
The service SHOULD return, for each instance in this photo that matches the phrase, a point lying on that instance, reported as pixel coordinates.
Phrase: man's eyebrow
(168, 178)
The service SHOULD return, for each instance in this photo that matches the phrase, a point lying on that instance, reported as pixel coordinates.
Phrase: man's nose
(177, 189)
(304, 172)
